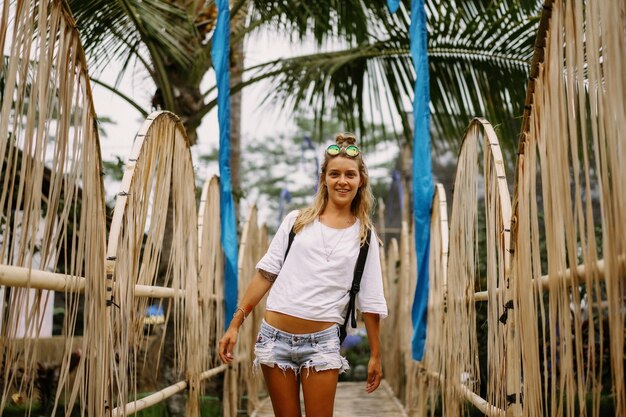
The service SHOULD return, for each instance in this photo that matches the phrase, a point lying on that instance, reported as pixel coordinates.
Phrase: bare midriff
(295, 325)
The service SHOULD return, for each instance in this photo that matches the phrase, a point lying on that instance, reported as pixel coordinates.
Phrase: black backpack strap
(292, 234)
(356, 281)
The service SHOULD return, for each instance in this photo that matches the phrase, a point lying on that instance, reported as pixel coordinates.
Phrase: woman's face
(342, 180)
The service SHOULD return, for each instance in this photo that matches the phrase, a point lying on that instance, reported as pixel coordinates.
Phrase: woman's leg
(319, 391)
(284, 390)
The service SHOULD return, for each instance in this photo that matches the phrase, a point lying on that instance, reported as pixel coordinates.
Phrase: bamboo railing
(135, 246)
(553, 256)
(53, 239)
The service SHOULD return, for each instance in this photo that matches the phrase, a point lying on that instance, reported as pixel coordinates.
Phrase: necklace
(326, 252)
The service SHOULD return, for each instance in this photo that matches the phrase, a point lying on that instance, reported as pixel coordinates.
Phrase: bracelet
(242, 311)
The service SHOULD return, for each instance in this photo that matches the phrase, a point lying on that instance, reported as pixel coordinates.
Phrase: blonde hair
(362, 203)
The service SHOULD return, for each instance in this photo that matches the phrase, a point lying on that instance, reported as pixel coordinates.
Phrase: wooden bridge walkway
(352, 400)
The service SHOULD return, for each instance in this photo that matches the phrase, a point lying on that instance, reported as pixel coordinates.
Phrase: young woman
(309, 290)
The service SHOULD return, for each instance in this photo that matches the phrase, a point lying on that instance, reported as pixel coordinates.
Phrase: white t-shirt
(310, 287)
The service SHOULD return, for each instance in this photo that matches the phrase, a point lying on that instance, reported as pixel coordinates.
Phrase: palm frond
(332, 80)
(478, 67)
(325, 20)
(133, 29)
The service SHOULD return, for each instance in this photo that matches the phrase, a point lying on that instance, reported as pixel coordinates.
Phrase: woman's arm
(255, 291)
(374, 368)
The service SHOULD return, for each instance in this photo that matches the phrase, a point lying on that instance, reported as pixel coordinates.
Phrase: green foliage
(13, 410)
(209, 407)
(322, 20)
(358, 357)
(102, 121)
(130, 29)
(479, 56)
(114, 170)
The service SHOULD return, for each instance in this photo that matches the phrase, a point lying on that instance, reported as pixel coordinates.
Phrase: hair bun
(345, 139)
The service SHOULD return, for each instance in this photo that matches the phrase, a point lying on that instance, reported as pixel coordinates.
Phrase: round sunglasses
(350, 150)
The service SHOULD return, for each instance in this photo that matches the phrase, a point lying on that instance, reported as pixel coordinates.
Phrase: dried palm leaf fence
(555, 256)
(53, 238)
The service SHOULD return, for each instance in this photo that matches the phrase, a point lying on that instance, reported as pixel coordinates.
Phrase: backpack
(356, 282)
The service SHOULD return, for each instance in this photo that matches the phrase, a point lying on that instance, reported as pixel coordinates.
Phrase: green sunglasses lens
(352, 150)
(333, 150)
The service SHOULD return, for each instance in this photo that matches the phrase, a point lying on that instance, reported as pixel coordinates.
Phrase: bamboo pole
(162, 395)
(565, 275)
(212, 372)
(150, 400)
(476, 400)
(15, 276)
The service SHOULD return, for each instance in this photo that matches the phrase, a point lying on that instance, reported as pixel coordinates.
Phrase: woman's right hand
(227, 344)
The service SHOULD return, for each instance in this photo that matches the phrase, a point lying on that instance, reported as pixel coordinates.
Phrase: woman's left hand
(374, 374)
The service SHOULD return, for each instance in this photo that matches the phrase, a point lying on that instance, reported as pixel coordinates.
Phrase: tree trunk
(236, 70)
(406, 169)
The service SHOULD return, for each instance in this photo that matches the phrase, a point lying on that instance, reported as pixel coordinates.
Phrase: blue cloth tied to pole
(220, 54)
(422, 174)
(422, 171)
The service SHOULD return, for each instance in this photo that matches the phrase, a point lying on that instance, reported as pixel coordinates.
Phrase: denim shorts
(319, 350)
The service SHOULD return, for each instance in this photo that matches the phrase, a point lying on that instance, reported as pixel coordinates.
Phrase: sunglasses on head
(350, 150)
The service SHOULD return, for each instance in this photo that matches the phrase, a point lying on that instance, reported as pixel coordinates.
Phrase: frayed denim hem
(342, 365)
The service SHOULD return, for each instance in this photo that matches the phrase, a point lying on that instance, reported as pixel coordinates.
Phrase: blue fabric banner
(422, 174)
(220, 54)
(393, 5)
